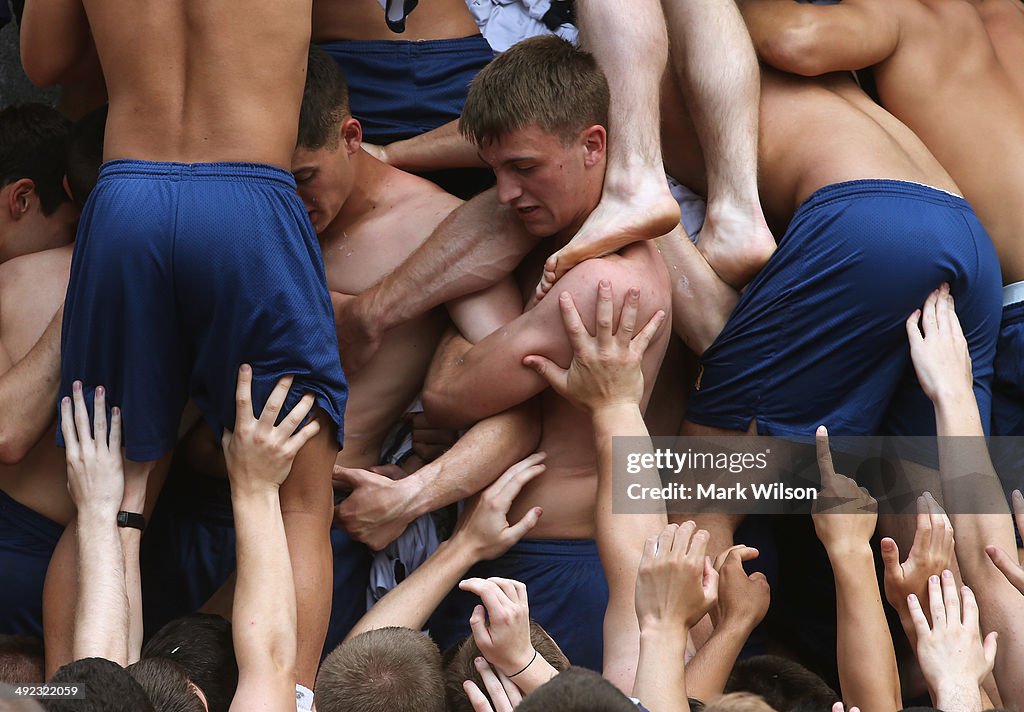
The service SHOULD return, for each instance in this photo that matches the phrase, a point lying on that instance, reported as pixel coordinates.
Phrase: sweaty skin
(364, 20)
(937, 70)
(188, 80)
(386, 217)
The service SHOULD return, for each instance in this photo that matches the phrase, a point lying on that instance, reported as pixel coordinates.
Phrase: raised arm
(96, 484)
(811, 39)
(478, 244)
(867, 662)
(976, 503)
(483, 532)
(55, 40)
(259, 456)
(605, 379)
(28, 390)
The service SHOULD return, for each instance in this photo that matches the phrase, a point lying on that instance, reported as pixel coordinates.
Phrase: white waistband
(1013, 293)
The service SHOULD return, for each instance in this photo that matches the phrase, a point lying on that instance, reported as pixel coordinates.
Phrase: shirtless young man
(196, 207)
(948, 69)
(865, 204)
(36, 226)
(539, 114)
(369, 217)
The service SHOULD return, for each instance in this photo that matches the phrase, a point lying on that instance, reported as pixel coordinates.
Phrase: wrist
(613, 418)
(848, 550)
(97, 513)
(413, 489)
(666, 636)
(956, 694)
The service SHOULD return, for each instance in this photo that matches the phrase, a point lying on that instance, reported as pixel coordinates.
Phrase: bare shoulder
(422, 203)
(25, 275)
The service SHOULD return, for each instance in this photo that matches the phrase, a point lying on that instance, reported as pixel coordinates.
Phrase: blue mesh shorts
(819, 336)
(180, 274)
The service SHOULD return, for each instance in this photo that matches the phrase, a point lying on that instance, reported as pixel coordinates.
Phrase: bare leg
(717, 69)
(636, 203)
(307, 500)
(60, 591)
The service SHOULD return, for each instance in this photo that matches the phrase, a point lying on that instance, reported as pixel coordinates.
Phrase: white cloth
(505, 22)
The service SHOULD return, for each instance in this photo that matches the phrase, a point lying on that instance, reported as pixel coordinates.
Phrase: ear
(595, 143)
(351, 134)
(67, 188)
(21, 198)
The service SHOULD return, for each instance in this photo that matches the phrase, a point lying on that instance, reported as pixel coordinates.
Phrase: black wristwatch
(131, 519)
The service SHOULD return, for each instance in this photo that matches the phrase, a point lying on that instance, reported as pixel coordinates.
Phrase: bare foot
(736, 243)
(640, 210)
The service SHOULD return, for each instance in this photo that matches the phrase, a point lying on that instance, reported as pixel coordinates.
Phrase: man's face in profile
(543, 178)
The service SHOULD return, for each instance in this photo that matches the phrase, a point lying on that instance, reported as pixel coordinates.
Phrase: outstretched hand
(954, 659)
(676, 583)
(502, 691)
(95, 464)
(930, 554)
(259, 453)
(1008, 564)
(501, 625)
(484, 524)
(938, 348)
(605, 369)
(844, 512)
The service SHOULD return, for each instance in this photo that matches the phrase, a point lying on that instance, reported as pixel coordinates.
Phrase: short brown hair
(461, 668)
(324, 102)
(544, 81)
(383, 670)
(738, 702)
(577, 690)
(167, 685)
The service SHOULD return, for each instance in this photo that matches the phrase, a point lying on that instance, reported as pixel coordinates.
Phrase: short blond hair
(543, 81)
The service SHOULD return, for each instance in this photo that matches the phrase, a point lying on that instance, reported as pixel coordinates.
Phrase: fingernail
(947, 575)
(933, 579)
(99, 390)
(912, 598)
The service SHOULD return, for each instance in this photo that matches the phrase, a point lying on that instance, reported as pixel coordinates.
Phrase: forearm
(953, 697)
(477, 459)
(710, 668)
(29, 393)
(660, 674)
(621, 537)
(867, 662)
(101, 613)
(477, 245)
(263, 615)
(443, 147)
(131, 540)
(411, 603)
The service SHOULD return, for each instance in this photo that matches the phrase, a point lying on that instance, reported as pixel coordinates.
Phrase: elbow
(443, 410)
(40, 67)
(794, 49)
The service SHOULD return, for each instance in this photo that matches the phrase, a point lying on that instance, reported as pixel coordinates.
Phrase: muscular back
(202, 80)
(364, 20)
(814, 132)
(948, 83)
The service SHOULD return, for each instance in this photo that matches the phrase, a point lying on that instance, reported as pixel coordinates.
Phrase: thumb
(524, 525)
(990, 645)
(555, 375)
(891, 559)
(349, 476)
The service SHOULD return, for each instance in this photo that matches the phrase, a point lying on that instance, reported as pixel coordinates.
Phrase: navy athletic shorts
(567, 589)
(819, 336)
(27, 541)
(399, 89)
(180, 274)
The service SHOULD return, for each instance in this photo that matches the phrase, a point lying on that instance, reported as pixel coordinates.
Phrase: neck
(565, 235)
(370, 177)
